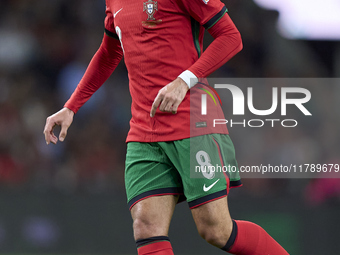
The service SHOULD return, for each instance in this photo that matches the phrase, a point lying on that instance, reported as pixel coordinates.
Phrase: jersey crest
(150, 7)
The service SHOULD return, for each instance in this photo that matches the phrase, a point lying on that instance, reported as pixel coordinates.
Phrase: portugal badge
(150, 7)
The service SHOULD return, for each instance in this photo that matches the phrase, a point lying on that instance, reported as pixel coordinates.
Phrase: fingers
(167, 102)
(170, 97)
(50, 136)
(53, 138)
(63, 133)
(60, 119)
(175, 107)
(156, 103)
(48, 131)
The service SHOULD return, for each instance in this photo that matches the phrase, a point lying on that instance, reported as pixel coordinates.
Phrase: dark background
(70, 198)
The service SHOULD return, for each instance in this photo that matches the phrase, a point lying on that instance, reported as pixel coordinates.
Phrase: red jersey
(161, 39)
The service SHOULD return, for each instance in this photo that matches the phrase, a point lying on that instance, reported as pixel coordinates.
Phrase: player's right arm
(99, 70)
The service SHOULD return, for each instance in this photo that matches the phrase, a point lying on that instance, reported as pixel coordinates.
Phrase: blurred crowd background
(45, 47)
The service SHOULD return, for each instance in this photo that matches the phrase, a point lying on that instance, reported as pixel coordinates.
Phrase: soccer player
(162, 46)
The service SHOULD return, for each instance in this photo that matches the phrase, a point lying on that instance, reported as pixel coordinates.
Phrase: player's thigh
(213, 155)
(152, 216)
(148, 173)
(215, 213)
(203, 163)
(213, 221)
(152, 186)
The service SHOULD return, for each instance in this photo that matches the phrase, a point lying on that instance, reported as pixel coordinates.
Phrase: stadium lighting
(306, 19)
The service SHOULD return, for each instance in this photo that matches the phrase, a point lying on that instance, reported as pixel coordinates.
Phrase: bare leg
(213, 222)
(152, 216)
(215, 225)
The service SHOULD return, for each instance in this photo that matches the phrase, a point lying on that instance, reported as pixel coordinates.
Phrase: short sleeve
(206, 12)
(108, 23)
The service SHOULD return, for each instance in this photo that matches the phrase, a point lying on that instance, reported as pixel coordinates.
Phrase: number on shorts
(204, 161)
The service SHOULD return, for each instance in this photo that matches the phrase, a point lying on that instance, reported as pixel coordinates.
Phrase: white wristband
(189, 78)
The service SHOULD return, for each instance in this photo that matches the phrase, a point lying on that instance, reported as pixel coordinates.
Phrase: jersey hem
(168, 139)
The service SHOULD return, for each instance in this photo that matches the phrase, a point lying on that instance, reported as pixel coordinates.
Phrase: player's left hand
(169, 97)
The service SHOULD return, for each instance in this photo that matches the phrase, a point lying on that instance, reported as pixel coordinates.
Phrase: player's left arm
(227, 43)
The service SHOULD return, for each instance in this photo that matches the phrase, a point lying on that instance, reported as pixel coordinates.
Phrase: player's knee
(141, 227)
(145, 228)
(215, 235)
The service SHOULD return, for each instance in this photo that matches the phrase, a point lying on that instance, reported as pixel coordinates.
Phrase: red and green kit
(159, 40)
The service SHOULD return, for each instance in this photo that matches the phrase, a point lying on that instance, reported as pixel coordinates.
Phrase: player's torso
(156, 37)
(160, 40)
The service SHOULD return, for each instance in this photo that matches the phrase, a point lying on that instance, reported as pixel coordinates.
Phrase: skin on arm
(62, 118)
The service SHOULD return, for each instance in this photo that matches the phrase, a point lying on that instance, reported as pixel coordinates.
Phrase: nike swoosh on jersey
(205, 189)
(114, 15)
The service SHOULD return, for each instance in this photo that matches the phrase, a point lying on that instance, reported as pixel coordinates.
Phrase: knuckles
(170, 98)
(162, 93)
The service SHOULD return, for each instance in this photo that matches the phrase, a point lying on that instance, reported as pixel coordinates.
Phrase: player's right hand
(62, 118)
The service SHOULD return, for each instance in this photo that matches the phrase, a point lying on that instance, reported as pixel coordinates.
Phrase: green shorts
(199, 169)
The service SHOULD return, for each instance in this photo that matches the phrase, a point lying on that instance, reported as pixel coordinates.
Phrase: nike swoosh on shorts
(205, 189)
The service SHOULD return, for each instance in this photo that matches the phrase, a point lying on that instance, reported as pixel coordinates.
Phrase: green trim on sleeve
(111, 34)
(216, 18)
